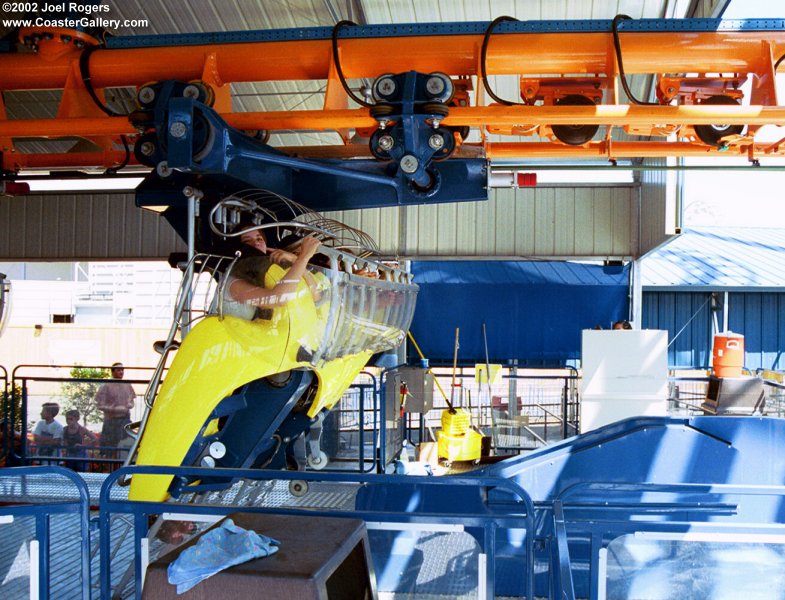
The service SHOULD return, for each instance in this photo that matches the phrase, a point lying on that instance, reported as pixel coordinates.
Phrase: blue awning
(533, 311)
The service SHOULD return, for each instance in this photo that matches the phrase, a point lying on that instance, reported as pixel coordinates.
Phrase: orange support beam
(746, 53)
(501, 116)
(534, 53)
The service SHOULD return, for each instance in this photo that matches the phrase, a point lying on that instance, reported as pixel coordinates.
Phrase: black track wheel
(574, 135)
(712, 134)
(381, 110)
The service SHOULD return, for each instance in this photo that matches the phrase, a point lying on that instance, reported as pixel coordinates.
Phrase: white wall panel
(659, 216)
(583, 222)
(82, 227)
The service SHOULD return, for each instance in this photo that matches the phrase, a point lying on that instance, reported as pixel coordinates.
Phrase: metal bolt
(436, 123)
(178, 129)
(409, 163)
(163, 169)
(191, 91)
(147, 148)
(146, 95)
(386, 142)
(192, 192)
(209, 462)
(383, 124)
(217, 450)
(434, 85)
(386, 86)
(436, 142)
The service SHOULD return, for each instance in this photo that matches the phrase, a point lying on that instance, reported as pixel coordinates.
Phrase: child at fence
(48, 433)
(76, 439)
(10, 445)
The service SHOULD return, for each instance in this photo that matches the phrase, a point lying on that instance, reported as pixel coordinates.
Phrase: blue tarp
(533, 311)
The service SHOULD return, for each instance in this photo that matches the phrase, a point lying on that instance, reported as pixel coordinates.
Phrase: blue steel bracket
(189, 137)
(410, 107)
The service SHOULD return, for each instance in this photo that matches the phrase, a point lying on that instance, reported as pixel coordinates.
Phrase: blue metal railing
(599, 513)
(483, 525)
(42, 512)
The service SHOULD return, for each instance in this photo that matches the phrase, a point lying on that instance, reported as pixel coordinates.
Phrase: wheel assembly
(712, 134)
(574, 135)
(318, 462)
(298, 488)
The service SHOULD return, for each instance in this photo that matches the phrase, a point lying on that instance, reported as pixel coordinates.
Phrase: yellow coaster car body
(331, 329)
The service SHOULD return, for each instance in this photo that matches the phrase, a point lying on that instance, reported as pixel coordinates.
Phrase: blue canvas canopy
(533, 311)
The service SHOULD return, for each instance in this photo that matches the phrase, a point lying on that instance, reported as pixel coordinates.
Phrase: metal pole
(185, 318)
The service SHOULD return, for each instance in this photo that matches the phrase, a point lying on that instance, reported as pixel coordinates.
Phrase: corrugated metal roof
(719, 258)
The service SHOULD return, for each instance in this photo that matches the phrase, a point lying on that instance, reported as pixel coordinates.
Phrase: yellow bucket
(454, 448)
(456, 423)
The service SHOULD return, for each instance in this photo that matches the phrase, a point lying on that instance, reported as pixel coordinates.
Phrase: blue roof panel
(719, 258)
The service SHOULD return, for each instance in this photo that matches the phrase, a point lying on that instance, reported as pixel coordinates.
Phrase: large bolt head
(146, 95)
(191, 91)
(385, 86)
(434, 85)
(409, 164)
(178, 129)
(436, 141)
(386, 142)
(163, 169)
(147, 148)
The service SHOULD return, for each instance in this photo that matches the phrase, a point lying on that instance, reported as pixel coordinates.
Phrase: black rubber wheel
(205, 94)
(203, 136)
(712, 134)
(148, 160)
(437, 109)
(574, 135)
(373, 145)
(382, 109)
(449, 143)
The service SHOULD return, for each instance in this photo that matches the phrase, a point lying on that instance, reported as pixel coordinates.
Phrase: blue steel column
(594, 571)
(489, 547)
(42, 536)
(140, 525)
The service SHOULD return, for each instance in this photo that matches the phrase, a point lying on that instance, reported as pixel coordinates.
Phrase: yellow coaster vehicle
(239, 392)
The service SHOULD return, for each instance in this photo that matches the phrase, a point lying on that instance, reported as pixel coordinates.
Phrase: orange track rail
(748, 53)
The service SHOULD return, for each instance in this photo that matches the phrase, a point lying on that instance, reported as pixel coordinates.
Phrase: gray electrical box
(419, 382)
(734, 396)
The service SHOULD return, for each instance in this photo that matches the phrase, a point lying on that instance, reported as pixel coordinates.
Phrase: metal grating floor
(435, 566)
(37, 488)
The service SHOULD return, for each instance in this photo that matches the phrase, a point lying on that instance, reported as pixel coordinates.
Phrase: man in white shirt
(48, 432)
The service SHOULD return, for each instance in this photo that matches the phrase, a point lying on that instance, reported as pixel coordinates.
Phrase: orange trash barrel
(728, 355)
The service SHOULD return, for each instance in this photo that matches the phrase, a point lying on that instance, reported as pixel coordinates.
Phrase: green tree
(81, 394)
(17, 398)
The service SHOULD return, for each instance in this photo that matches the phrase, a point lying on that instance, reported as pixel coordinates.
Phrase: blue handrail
(44, 510)
(481, 524)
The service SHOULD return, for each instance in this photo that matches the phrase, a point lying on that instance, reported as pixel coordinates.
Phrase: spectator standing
(115, 399)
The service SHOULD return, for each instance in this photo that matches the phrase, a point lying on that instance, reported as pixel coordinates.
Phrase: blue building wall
(759, 316)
